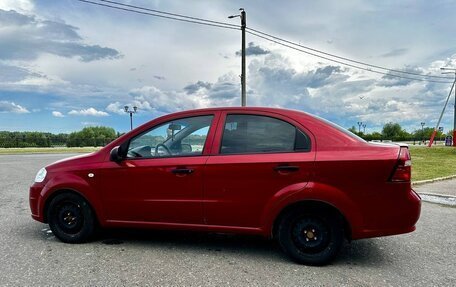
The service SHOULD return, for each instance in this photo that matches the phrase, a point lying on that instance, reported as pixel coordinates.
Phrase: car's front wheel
(71, 218)
(311, 237)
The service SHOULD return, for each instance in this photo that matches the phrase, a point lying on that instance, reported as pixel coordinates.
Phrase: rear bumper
(399, 217)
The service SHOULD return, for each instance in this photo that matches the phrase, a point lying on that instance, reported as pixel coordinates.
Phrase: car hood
(75, 161)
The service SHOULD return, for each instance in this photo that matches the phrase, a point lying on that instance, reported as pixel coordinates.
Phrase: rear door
(254, 156)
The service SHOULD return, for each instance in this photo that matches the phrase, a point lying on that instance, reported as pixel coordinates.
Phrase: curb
(420, 182)
(438, 198)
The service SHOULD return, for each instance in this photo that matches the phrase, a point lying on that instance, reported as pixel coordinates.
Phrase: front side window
(261, 134)
(181, 137)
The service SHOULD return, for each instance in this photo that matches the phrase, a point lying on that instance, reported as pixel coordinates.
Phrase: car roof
(253, 109)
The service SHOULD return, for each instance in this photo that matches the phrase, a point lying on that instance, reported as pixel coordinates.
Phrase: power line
(200, 22)
(171, 14)
(344, 63)
(347, 59)
(266, 36)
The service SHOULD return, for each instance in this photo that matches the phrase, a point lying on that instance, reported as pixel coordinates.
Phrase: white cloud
(116, 108)
(26, 37)
(9, 73)
(57, 114)
(88, 112)
(11, 107)
(18, 5)
(150, 98)
(223, 92)
(90, 124)
(42, 37)
(32, 45)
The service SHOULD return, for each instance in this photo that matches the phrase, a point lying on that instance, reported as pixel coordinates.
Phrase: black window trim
(268, 116)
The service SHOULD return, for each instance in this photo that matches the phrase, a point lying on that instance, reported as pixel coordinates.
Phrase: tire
(311, 237)
(71, 218)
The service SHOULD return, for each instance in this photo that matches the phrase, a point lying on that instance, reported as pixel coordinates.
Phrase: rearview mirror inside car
(174, 127)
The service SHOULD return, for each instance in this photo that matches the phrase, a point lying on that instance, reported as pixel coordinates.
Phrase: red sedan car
(279, 173)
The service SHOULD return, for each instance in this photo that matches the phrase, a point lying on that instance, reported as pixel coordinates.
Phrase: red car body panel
(240, 193)
(131, 189)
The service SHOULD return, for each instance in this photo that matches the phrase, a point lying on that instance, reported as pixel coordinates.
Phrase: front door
(161, 178)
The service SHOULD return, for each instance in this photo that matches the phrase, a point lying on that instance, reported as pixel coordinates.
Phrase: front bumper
(35, 201)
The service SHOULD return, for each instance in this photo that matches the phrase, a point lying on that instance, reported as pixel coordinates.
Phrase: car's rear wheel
(71, 218)
(311, 237)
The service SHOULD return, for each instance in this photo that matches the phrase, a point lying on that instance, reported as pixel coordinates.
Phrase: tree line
(100, 136)
(394, 132)
(89, 136)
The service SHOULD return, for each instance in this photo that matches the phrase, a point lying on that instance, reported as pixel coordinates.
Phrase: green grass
(429, 163)
(27, 150)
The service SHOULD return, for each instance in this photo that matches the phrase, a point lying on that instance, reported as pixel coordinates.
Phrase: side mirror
(115, 155)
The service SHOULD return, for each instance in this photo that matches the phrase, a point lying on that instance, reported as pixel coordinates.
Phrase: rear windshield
(341, 129)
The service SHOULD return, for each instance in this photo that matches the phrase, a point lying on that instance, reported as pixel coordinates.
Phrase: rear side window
(261, 134)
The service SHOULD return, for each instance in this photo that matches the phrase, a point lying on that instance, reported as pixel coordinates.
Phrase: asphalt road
(31, 255)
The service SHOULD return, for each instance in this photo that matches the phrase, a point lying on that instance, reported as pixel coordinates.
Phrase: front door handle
(182, 171)
(286, 168)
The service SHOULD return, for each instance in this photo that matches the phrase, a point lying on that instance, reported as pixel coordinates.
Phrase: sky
(65, 65)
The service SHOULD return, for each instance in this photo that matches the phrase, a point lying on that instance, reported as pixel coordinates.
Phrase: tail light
(403, 169)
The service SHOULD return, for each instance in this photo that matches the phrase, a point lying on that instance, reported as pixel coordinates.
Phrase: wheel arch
(68, 182)
(63, 191)
(309, 204)
(315, 193)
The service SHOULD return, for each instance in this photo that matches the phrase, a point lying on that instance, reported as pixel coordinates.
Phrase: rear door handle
(182, 171)
(289, 168)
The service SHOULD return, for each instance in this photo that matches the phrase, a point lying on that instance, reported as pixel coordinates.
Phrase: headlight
(41, 175)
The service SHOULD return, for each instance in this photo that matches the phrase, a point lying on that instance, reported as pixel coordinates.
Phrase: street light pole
(364, 128)
(441, 132)
(243, 76)
(422, 131)
(131, 112)
(359, 126)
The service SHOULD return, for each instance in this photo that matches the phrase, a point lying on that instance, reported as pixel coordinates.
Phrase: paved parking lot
(30, 254)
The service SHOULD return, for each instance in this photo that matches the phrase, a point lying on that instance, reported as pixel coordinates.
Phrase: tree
(373, 136)
(91, 136)
(426, 134)
(353, 130)
(394, 131)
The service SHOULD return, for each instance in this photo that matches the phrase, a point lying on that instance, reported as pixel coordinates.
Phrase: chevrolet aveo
(282, 174)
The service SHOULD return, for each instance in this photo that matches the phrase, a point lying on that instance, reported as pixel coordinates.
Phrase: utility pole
(440, 118)
(422, 132)
(454, 119)
(243, 81)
